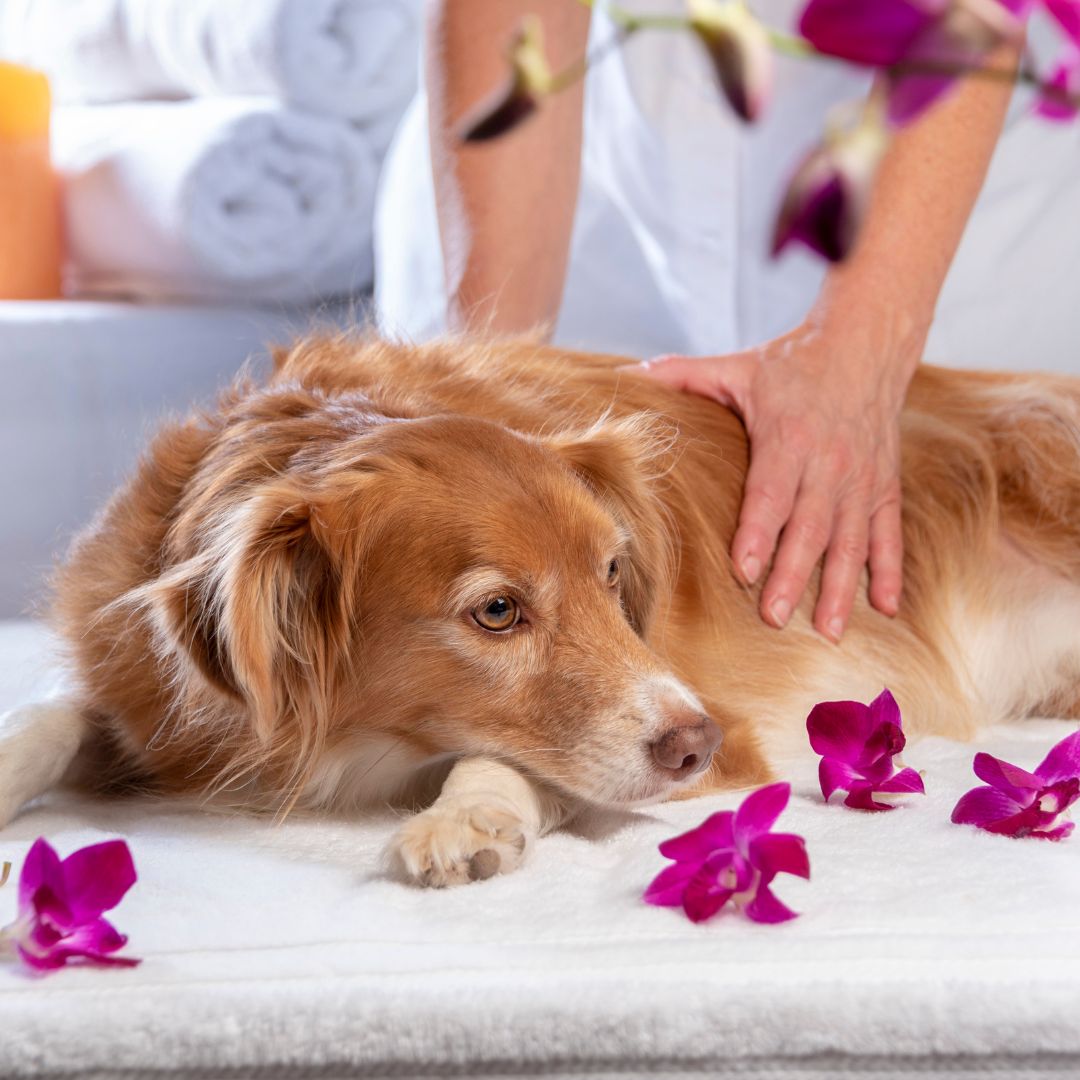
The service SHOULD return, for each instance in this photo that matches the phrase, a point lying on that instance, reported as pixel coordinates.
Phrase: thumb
(723, 378)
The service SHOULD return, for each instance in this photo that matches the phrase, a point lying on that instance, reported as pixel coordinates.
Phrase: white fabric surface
(349, 58)
(923, 948)
(678, 198)
(216, 198)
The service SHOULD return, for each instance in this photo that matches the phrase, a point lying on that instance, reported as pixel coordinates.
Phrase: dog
(490, 582)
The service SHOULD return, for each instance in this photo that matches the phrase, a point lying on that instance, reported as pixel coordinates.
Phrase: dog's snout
(687, 749)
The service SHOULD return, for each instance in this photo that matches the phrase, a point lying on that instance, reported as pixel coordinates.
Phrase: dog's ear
(262, 612)
(622, 462)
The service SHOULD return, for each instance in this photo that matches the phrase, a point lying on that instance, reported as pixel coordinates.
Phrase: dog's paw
(455, 843)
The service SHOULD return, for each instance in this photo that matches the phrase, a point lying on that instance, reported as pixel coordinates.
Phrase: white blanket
(215, 198)
(923, 948)
(349, 58)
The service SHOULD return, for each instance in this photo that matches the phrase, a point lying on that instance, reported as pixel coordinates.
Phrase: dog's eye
(501, 614)
(613, 572)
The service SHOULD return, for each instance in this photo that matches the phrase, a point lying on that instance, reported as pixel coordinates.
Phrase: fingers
(769, 495)
(843, 568)
(887, 556)
(827, 520)
(804, 540)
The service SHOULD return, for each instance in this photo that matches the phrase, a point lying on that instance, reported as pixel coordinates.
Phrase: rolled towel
(350, 58)
(215, 198)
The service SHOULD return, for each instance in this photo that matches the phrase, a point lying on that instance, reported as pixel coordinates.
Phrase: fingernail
(835, 628)
(780, 610)
(751, 569)
(892, 604)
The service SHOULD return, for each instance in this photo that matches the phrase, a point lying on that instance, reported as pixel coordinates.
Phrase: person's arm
(822, 403)
(506, 207)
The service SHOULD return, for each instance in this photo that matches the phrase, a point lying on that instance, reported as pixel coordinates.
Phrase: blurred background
(182, 182)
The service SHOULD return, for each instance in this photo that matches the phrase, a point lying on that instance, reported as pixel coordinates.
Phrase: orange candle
(29, 195)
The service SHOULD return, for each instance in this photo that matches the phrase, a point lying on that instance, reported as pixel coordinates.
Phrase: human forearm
(505, 207)
(923, 196)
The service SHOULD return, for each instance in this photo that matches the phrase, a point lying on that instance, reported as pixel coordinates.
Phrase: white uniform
(677, 202)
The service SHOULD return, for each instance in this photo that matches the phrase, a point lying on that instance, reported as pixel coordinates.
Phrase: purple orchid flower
(61, 905)
(944, 34)
(859, 745)
(1018, 803)
(733, 856)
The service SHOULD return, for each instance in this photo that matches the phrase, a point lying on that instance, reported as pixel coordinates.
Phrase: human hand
(821, 408)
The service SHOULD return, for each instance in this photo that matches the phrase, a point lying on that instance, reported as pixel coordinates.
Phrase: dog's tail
(38, 744)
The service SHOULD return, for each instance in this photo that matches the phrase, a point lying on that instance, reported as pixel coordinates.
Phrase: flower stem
(799, 48)
(5, 873)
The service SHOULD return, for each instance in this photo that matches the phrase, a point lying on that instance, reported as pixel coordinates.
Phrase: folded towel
(215, 198)
(350, 58)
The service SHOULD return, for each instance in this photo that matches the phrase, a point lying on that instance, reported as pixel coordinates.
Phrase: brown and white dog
(498, 574)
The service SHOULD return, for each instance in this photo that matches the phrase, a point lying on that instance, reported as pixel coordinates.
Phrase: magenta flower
(1019, 803)
(941, 36)
(827, 197)
(733, 856)
(61, 905)
(859, 745)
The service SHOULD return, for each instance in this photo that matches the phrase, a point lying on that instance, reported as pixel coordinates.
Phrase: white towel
(215, 198)
(349, 58)
(923, 949)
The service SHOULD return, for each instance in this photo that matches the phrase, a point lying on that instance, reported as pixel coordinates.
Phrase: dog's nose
(687, 749)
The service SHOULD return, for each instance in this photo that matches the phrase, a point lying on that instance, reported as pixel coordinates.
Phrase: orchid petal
(1017, 783)
(704, 898)
(667, 888)
(835, 775)
(97, 877)
(697, 844)
(1063, 761)
(1059, 833)
(759, 811)
(905, 781)
(885, 742)
(884, 710)
(1067, 13)
(877, 33)
(765, 908)
(780, 853)
(40, 868)
(861, 797)
(983, 806)
(839, 729)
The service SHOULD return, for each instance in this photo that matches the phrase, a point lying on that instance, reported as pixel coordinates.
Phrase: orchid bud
(1060, 98)
(740, 51)
(530, 79)
(827, 197)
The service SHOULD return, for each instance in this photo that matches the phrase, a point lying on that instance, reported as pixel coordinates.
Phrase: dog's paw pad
(448, 845)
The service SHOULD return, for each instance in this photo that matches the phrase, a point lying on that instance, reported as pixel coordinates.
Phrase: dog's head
(457, 586)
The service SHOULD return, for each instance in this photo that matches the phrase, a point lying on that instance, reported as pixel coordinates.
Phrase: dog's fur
(278, 608)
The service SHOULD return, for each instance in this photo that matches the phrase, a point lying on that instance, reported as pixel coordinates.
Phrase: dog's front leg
(483, 822)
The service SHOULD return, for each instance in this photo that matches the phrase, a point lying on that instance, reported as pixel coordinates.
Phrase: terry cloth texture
(923, 948)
